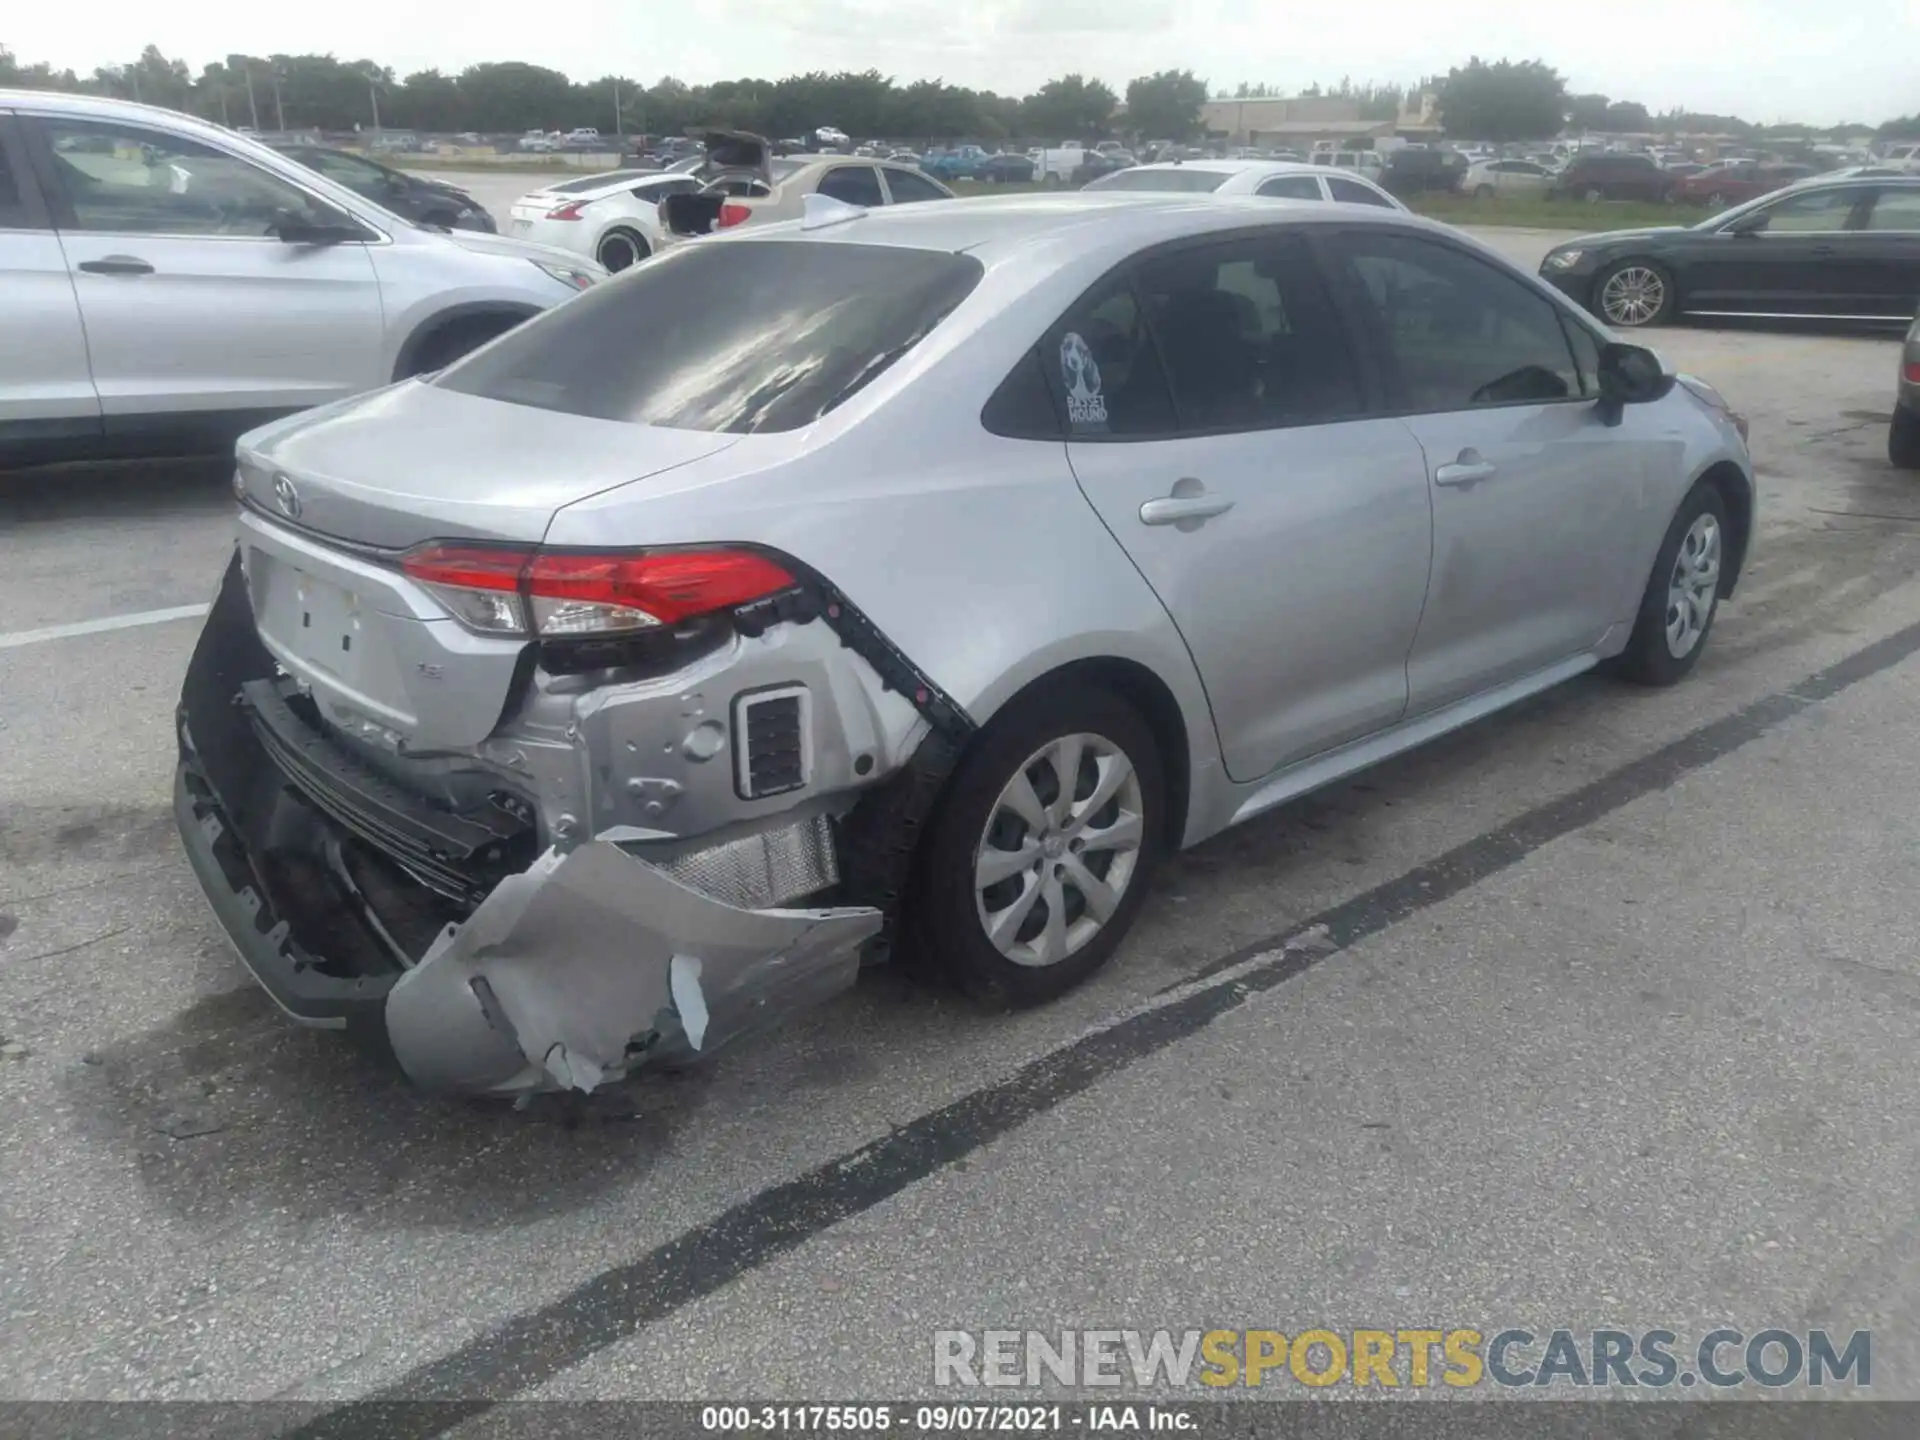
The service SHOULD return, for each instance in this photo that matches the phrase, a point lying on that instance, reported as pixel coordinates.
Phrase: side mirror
(1630, 375)
(1749, 224)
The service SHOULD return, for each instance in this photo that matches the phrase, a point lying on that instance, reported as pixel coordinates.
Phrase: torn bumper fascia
(590, 961)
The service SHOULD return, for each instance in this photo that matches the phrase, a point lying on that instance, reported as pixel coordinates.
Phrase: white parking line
(95, 627)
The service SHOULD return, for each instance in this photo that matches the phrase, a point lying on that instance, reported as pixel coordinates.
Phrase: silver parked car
(927, 575)
(1275, 179)
(166, 284)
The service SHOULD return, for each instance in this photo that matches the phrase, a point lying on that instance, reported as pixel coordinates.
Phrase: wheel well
(437, 334)
(1147, 693)
(1737, 495)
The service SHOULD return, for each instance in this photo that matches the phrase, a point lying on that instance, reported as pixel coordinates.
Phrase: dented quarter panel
(565, 964)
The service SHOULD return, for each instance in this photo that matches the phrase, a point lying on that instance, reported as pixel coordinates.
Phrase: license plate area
(323, 623)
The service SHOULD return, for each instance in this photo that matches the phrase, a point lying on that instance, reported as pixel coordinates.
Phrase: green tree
(1503, 101)
(1627, 117)
(1165, 106)
(1587, 112)
(1070, 108)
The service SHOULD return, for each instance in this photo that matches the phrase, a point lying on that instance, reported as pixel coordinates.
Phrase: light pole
(373, 95)
(279, 110)
(253, 108)
(616, 108)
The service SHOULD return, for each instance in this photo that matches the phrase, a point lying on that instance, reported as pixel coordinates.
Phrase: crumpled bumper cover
(587, 954)
(570, 972)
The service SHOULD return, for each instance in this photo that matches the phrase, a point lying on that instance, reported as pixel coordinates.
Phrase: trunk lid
(414, 462)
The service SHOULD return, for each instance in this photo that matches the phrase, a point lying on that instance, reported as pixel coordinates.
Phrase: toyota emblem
(286, 496)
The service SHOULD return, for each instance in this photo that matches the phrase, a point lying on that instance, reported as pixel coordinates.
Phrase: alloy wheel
(1694, 586)
(1633, 295)
(1060, 846)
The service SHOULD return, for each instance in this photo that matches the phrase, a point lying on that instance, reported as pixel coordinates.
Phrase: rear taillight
(568, 211)
(1913, 372)
(733, 212)
(562, 594)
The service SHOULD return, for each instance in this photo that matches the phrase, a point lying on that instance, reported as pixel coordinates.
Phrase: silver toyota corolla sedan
(901, 582)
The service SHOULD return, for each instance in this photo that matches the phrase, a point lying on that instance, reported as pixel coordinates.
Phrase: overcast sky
(1765, 60)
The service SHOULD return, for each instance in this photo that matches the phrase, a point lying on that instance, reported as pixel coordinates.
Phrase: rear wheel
(1040, 854)
(1717, 201)
(1683, 593)
(1903, 438)
(621, 247)
(1593, 195)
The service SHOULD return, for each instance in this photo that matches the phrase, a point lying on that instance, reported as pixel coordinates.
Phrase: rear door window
(1292, 187)
(1897, 210)
(1249, 337)
(855, 184)
(743, 337)
(908, 188)
(1351, 192)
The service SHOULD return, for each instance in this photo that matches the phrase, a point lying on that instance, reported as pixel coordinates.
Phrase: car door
(191, 303)
(1536, 502)
(46, 388)
(1797, 255)
(1221, 427)
(1889, 261)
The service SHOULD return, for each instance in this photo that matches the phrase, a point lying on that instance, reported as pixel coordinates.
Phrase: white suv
(166, 284)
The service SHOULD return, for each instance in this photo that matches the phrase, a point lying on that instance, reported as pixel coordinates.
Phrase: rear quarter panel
(977, 555)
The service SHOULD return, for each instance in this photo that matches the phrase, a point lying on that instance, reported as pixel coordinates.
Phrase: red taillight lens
(504, 591)
(568, 211)
(1913, 372)
(733, 212)
(597, 594)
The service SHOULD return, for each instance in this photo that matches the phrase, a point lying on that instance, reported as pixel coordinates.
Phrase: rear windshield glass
(597, 182)
(736, 336)
(1186, 180)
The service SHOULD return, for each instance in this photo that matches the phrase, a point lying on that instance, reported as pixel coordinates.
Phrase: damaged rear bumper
(483, 968)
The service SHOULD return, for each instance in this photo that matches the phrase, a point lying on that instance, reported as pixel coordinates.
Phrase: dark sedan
(1819, 250)
(1006, 168)
(413, 197)
(1612, 176)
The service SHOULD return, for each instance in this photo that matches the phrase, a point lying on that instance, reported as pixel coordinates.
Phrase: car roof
(993, 228)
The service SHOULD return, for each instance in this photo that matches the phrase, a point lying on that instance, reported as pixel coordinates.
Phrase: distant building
(1296, 123)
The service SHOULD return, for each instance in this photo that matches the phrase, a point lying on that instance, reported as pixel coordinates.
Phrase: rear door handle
(1823, 251)
(1465, 472)
(1172, 509)
(117, 265)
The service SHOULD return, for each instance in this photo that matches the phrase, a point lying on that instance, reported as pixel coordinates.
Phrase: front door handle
(117, 265)
(1464, 472)
(1823, 251)
(1172, 509)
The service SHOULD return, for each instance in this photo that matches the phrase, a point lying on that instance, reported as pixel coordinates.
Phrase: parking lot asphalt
(1598, 1013)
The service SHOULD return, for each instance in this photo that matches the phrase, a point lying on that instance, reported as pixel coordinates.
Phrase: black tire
(1716, 201)
(944, 925)
(452, 341)
(1903, 438)
(1669, 294)
(620, 249)
(1593, 195)
(1649, 658)
(438, 217)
